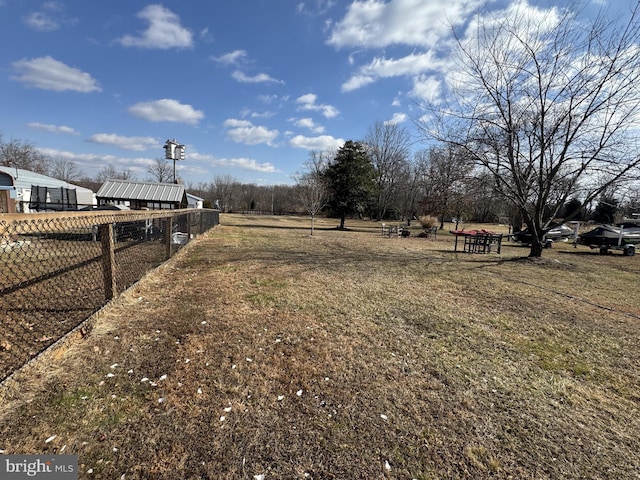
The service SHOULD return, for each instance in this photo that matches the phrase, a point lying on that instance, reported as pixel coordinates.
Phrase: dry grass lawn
(261, 352)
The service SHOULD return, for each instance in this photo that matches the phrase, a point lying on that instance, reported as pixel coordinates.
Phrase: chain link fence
(58, 269)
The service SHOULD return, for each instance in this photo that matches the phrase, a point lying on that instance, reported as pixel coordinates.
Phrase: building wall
(7, 194)
(7, 204)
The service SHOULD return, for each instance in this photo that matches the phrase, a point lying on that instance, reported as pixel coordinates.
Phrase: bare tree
(631, 202)
(223, 189)
(247, 196)
(107, 172)
(410, 185)
(445, 182)
(65, 169)
(311, 185)
(387, 146)
(25, 155)
(484, 204)
(549, 106)
(203, 190)
(160, 171)
(110, 172)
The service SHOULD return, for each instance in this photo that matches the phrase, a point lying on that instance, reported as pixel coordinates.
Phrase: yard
(261, 352)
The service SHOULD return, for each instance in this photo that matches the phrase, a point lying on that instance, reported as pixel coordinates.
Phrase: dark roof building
(140, 195)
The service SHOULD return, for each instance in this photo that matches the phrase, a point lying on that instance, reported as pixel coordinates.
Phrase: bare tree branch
(548, 106)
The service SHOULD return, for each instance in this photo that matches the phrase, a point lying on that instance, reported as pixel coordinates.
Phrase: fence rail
(60, 268)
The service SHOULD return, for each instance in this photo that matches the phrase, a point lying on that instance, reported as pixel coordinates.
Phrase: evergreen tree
(351, 180)
(606, 210)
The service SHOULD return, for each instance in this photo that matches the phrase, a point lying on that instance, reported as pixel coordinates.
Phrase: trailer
(623, 236)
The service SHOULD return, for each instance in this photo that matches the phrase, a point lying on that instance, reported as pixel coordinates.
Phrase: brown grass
(348, 355)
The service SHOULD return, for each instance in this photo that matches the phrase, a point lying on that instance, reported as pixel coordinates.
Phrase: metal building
(23, 191)
(142, 195)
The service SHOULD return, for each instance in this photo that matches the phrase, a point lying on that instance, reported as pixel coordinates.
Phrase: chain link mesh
(59, 269)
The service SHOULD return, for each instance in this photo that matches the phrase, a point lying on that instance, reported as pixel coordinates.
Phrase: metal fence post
(168, 237)
(108, 261)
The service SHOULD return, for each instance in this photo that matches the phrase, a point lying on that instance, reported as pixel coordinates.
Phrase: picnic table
(478, 241)
(399, 230)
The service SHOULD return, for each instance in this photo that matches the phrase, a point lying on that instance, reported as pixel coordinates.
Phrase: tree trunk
(534, 226)
(536, 247)
(312, 222)
(342, 220)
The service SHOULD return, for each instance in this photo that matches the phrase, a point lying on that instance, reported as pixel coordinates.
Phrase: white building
(194, 201)
(24, 191)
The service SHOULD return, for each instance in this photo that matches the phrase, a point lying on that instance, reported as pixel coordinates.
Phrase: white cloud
(239, 57)
(378, 24)
(241, 162)
(428, 88)
(126, 143)
(412, 64)
(49, 19)
(308, 123)
(243, 131)
(307, 102)
(357, 81)
(247, 164)
(321, 143)
(532, 20)
(53, 6)
(259, 78)
(205, 36)
(419, 24)
(164, 30)
(91, 163)
(41, 22)
(53, 128)
(268, 99)
(166, 110)
(315, 8)
(528, 26)
(266, 114)
(76, 157)
(50, 74)
(422, 24)
(397, 118)
(231, 58)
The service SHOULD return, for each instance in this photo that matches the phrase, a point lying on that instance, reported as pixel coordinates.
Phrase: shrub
(428, 221)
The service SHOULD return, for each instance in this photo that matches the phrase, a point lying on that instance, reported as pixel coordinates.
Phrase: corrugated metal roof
(149, 191)
(25, 179)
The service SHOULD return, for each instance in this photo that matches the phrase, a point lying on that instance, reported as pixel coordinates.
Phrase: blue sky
(249, 86)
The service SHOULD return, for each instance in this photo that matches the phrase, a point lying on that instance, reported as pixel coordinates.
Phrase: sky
(250, 87)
